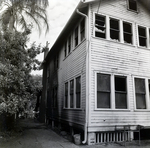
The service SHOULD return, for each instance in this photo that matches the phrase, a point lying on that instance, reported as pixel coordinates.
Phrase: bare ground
(31, 134)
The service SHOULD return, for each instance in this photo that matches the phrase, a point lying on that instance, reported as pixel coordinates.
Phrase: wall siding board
(70, 68)
(118, 58)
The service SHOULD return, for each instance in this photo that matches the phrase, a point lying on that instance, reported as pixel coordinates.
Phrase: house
(96, 76)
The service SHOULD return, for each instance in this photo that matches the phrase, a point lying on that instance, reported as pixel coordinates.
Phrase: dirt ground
(32, 134)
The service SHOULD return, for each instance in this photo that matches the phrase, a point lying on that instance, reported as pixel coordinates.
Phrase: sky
(58, 12)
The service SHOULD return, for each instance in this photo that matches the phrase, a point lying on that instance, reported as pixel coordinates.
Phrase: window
(78, 92)
(82, 29)
(69, 44)
(132, 5)
(54, 97)
(120, 92)
(74, 91)
(65, 51)
(142, 36)
(114, 29)
(100, 26)
(103, 90)
(71, 93)
(76, 36)
(127, 32)
(66, 95)
(140, 93)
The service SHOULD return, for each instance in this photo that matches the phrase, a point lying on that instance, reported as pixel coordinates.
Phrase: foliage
(18, 14)
(16, 62)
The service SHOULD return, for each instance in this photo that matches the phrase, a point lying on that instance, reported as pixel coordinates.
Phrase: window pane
(114, 24)
(140, 93)
(103, 100)
(78, 92)
(120, 84)
(103, 82)
(133, 5)
(78, 100)
(78, 84)
(114, 29)
(139, 85)
(100, 26)
(121, 100)
(127, 28)
(140, 101)
(71, 101)
(142, 31)
(66, 95)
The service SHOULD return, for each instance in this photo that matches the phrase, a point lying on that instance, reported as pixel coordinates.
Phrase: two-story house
(96, 76)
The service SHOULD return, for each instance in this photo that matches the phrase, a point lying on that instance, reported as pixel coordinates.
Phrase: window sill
(114, 41)
(142, 110)
(115, 110)
(73, 109)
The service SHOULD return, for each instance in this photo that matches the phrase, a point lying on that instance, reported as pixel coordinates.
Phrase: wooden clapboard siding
(70, 68)
(118, 58)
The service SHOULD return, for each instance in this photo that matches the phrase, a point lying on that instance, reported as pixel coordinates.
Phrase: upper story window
(65, 50)
(114, 29)
(100, 26)
(69, 44)
(127, 32)
(142, 36)
(132, 5)
(82, 29)
(76, 36)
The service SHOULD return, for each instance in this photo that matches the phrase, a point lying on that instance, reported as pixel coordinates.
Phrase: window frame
(77, 92)
(112, 95)
(82, 30)
(146, 36)
(76, 36)
(114, 29)
(128, 6)
(147, 93)
(66, 95)
(131, 34)
(104, 27)
(74, 94)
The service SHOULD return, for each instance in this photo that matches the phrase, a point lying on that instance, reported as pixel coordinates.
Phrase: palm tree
(19, 14)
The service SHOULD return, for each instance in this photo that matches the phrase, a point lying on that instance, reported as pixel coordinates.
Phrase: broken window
(114, 29)
(71, 93)
(82, 29)
(103, 90)
(142, 36)
(65, 50)
(69, 44)
(66, 95)
(127, 30)
(78, 92)
(76, 36)
(120, 92)
(140, 93)
(132, 5)
(100, 26)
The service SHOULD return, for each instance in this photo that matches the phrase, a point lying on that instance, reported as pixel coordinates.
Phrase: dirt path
(37, 135)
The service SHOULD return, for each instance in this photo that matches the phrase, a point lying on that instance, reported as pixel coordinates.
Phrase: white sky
(59, 12)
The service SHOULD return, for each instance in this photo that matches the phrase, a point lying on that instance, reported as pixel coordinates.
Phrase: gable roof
(74, 17)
